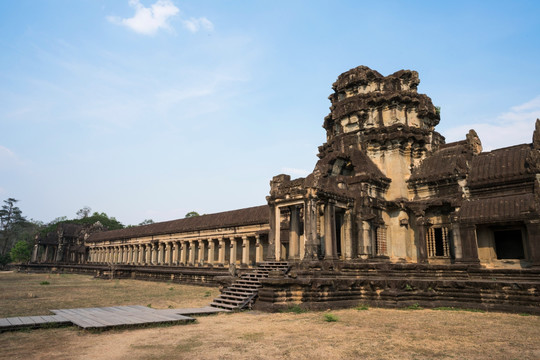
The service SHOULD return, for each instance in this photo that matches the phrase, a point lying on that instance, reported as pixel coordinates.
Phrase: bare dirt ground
(367, 334)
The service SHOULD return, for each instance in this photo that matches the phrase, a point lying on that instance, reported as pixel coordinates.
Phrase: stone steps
(246, 288)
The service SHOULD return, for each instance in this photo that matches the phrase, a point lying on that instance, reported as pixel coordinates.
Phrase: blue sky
(151, 109)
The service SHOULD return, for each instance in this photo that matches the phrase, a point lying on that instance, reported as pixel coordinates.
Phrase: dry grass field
(356, 333)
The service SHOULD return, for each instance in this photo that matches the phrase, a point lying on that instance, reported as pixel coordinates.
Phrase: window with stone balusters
(437, 239)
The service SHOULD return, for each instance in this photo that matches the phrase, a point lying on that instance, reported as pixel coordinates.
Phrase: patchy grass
(23, 295)
(295, 309)
(330, 318)
(414, 306)
(449, 308)
(362, 307)
(374, 334)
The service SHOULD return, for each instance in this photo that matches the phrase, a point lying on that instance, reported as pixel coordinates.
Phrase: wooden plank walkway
(101, 318)
(107, 317)
(15, 323)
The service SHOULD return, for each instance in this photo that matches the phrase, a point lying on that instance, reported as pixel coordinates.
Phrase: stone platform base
(185, 274)
(324, 285)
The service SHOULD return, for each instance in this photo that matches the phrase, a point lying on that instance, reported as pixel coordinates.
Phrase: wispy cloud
(512, 127)
(5, 153)
(148, 20)
(195, 25)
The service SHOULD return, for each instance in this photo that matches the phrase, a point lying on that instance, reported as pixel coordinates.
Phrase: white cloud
(148, 20)
(195, 25)
(510, 128)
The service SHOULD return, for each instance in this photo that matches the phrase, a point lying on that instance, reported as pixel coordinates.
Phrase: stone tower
(387, 119)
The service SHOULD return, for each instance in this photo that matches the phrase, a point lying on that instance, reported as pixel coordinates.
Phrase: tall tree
(11, 220)
(192, 214)
(84, 212)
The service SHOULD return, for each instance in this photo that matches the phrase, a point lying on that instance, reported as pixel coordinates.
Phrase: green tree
(191, 214)
(84, 212)
(146, 222)
(11, 221)
(20, 252)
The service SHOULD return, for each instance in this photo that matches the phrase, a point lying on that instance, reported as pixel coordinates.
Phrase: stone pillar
(271, 255)
(310, 229)
(469, 245)
(259, 257)
(245, 250)
(422, 256)
(191, 253)
(347, 231)
(175, 252)
(138, 259)
(201, 252)
(211, 251)
(533, 248)
(221, 251)
(183, 252)
(129, 254)
(34, 253)
(233, 251)
(330, 231)
(294, 234)
(154, 249)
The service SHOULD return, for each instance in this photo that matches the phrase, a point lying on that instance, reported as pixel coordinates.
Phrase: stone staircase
(243, 292)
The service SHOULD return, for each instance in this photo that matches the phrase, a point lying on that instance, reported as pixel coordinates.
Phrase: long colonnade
(220, 251)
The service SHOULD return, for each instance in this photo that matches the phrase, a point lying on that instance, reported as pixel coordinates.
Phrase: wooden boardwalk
(107, 317)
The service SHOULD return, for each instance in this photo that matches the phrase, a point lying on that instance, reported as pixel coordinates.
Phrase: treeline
(17, 234)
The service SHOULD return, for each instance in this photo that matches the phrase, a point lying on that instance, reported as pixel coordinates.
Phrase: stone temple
(391, 215)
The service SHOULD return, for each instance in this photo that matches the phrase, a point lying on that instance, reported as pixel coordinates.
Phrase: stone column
(294, 234)
(211, 251)
(347, 230)
(245, 250)
(183, 253)
(330, 231)
(129, 254)
(175, 252)
(202, 247)
(233, 251)
(155, 254)
(160, 256)
(259, 257)
(422, 256)
(221, 251)
(34, 253)
(469, 245)
(271, 255)
(140, 255)
(191, 253)
(310, 229)
(533, 248)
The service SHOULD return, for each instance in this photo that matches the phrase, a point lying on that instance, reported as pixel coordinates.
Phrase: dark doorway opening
(509, 244)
